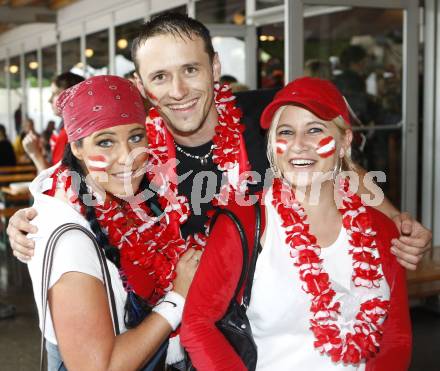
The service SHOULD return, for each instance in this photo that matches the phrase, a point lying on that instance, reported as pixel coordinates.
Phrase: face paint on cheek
(326, 147)
(281, 146)
(152, 97)
(97, 163)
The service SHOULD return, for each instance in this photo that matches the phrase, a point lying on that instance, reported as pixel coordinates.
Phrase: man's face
(177, 76)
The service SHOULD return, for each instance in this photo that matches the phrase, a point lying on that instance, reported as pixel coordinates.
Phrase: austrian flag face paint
(152, 96)
(281, 146)
(326, 147)
(97, 163)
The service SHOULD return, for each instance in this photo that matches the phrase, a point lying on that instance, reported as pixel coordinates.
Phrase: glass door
(364, 48)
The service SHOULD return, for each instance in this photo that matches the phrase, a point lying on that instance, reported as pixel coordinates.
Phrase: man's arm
(414, 239)
(19, 226)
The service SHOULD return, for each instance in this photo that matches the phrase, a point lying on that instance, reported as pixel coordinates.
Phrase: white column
(428, 112)
(111, 45)
(293, 39)
(410, 112)
(436, 150)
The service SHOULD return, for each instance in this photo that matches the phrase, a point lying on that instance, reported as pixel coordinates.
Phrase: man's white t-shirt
(75, 251)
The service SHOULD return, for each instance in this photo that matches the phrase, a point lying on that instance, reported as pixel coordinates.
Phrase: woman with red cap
(327, 294)
(98, 187)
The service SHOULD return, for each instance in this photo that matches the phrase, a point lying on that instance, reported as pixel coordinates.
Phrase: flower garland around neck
(226, 155)
(363, 342)
(149, 248)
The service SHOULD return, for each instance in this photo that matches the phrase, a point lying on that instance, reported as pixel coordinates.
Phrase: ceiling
(14, 13)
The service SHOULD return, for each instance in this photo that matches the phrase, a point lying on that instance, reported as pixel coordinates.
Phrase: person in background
(318, 68)
(58, 140)
(7, 154)
(27, 128)
(45, 136)
(18, 119)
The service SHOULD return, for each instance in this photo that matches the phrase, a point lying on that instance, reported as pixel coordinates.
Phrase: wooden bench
(18, 169)
(425, 281)
(6, 179)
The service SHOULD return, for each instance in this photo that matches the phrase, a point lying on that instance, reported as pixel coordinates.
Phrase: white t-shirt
(75, 251)
(279, 310)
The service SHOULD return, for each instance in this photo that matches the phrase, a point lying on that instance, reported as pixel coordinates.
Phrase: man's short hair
(176, 24)
(2, 130)
(67, 80)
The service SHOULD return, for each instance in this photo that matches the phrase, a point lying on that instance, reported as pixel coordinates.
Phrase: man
(176, 68)
(58, 140)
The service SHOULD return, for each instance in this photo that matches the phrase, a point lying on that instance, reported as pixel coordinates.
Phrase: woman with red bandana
(99, 186)
(327, 293)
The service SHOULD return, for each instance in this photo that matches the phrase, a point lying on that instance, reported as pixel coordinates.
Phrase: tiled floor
(20, 337)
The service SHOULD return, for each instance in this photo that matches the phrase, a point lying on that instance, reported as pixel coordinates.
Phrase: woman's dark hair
(111, 252)
(136, 309)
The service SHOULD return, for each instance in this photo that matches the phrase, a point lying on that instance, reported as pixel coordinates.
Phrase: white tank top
(279, 310)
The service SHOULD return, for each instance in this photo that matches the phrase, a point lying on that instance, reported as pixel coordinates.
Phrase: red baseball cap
(321, 97)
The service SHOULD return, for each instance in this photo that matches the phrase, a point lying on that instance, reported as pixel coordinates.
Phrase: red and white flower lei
(226, 155)
(149, 247)
(363, 342)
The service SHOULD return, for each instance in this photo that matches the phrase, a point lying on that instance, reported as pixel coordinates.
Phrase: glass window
(33, 103)
(214, 11)
(4, 120)
(49, 57)
(360, 49)
(271, 56)
(71, 57)
(16, 92)
(231, 51)
(97, 58)
(124, 36)
(263, 4)
(179, 9)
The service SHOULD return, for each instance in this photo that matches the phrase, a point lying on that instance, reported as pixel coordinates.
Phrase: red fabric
(319, 96)
(59, 146)
(396, 344)
(100, 102)
(243, 161)
(216, 280)
(218, 273)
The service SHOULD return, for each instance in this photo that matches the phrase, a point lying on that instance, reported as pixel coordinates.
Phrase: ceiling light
(33, 65)
(89, 53)
(13, 68)
(122, 43)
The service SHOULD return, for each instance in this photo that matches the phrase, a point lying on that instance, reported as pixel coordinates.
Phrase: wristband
(171, 308)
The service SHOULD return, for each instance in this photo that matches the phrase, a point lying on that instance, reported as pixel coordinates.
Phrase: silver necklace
(203, 159)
